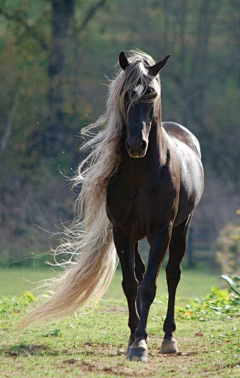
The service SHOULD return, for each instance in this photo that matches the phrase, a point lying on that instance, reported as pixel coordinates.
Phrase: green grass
(14, 281)
(93, 344)
(194, 283)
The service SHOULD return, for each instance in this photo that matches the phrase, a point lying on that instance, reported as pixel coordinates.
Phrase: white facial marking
(138, 90)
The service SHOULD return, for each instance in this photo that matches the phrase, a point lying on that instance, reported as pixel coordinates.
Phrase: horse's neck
(156, 147)
(157, 138)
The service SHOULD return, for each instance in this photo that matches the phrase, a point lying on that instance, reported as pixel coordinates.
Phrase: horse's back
(179, 132)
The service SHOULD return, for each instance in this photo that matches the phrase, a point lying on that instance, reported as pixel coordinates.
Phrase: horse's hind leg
(140, 272)
(126, 256)
(177, 248)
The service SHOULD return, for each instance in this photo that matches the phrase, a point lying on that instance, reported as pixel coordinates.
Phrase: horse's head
(141, 101)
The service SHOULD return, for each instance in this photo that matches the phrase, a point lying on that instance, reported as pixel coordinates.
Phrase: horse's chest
(123, 204)
(137, 208)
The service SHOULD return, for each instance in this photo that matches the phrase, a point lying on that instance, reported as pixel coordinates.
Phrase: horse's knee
(147, 293)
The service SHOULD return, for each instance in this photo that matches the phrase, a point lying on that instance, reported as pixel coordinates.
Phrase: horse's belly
(191, 189)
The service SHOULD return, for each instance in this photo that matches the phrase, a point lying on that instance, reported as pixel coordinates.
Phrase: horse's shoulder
(177, 131)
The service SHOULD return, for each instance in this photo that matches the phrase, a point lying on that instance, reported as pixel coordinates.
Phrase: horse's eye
(151, 93)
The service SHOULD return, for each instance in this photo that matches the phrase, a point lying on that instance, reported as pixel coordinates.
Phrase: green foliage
(13, 305)
(200, 89)
(29, 297)
(54, 333)
(233, 282)
(217, 304)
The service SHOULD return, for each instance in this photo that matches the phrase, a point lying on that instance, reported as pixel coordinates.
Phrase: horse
(142, 178)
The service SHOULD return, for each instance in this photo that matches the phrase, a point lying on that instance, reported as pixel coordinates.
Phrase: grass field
(93, 344)
(194, 283)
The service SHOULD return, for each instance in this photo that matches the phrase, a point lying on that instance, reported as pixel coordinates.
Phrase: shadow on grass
(27, 350)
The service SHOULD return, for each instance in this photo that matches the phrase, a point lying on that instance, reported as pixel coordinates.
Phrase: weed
(233, 282)
(217, 304)
(55, 333)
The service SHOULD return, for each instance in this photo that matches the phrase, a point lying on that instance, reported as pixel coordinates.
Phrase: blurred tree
(64, 63)
(60, 55)
(53, 58)
(62, 51)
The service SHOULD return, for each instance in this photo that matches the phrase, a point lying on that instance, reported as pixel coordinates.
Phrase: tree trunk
(199, 71)
(61, 52)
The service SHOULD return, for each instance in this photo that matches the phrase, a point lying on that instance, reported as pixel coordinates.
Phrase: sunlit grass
(194, 283)
(93, 344)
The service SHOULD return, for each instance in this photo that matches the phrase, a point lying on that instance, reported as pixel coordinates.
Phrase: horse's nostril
(134, 147)
(143, 146)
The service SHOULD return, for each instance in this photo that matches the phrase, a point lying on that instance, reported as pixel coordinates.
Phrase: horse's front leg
(140, 272)
(177, 249)
(126, 256)
(159, 244)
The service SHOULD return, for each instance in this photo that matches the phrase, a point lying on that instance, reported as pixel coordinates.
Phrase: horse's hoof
(169, 346)
(138, 352)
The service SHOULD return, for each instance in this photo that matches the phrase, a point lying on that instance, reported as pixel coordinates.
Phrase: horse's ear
(153, 70)
(123, 61)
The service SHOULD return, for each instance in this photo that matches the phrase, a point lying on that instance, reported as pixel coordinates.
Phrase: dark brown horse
(145, 180)
(153, 194)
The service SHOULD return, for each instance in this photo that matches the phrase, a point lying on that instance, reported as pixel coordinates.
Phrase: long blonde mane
(104, 158)
(89, 241)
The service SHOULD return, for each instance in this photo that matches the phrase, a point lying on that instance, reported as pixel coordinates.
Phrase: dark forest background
(55, 56)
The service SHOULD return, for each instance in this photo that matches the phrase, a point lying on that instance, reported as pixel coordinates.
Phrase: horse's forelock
(134, 75)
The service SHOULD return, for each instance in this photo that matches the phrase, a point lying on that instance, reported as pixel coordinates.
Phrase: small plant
(233, 282)
(218, 303)
(13, 305)
(29, 297)
(54, 333)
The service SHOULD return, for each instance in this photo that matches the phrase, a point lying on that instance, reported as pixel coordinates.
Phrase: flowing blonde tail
(88, 278)
(90, 241)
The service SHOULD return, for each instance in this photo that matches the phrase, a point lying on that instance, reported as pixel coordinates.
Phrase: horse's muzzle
(135, 150)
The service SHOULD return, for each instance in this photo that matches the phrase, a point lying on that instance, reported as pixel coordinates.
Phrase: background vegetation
(54, 56)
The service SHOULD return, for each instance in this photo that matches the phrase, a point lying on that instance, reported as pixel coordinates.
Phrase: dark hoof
(138, 354)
